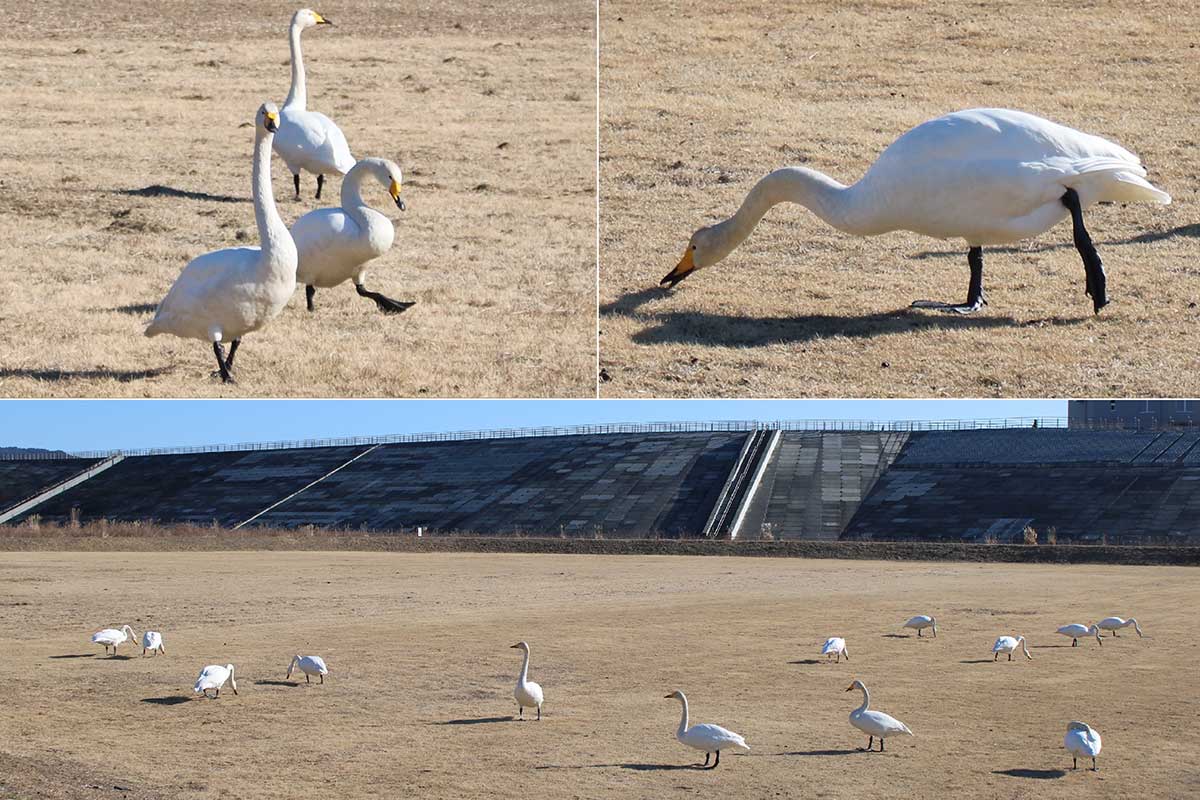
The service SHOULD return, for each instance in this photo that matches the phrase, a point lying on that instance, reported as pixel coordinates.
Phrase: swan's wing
(326, 243)
(309, 138)
(887, 723)
(205, 275)
(535, 691)
(718, 736)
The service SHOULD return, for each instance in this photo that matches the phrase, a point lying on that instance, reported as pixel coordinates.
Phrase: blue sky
(131, 424)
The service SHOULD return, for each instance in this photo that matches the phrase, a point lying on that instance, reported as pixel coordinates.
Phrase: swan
(309, 665)
(153, 641)
(1082, 740)
(223, 295)
(309, 140)
(527, 692)
(1113, 623)
(835, 645)
(986, 175)
(1075, 630)
(874, 723)
(333, 245)
(111, 637)
(213, 677)
(709, 738)
(921, 622)
(1009, 644)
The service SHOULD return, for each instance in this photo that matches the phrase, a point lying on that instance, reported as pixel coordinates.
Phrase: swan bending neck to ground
(709, 738)
(526, 693)
(112, 637)
(214, 677)
(1082, 740)
(874, 723)
(153, 641)
(223, 295)
(921, 622)
(309, 665)
(1009, 644)
(989, 176)
(1075, 630)
(1115, 623)
(335, 244)
(835, 645)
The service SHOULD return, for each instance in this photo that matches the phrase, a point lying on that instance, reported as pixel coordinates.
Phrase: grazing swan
(223, 295)
(1009, 644)
(527, 692)
(921, 622)
(1082, 740)
(152, 641)
(111, 637)
(309, 665)
(709, 738)
(835, 645)
(874, 723)
(1114, 623)
(333, 245)
(309, 140)
(986, 175)
(1075, 630)
(213, 677)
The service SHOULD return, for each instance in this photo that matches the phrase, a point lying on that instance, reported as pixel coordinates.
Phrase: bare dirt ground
(489, 111)
(701, 99)
(419, 703)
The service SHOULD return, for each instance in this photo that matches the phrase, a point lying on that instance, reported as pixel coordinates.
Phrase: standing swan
(309, 140)
(874, 723)
(709, 738)
(111, 637)
(527, 692)
(333, 245)
(152, 641)
(835, 645)
(223, 295)
(1009, 644)
(213, 677)
(921, 622)
(986, 175)
(1082, 740)
(309, 665)
(1075, 630)
(1115, 623)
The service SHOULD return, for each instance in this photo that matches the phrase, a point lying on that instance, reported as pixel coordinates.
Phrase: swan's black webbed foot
(309, 291)
(976, 299)
(1097, 283)
(386, 304)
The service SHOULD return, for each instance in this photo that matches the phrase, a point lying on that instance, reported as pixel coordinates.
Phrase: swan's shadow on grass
(121, 376)
(807, 661)
(77, 655)
(1039, 774)
(638, 767)
(976, 661)
(158, 190)
(898, 636)
(823, 752)
(169, 700)
(277, 683)
(1142, 238)
(477, 721)
(135, 309)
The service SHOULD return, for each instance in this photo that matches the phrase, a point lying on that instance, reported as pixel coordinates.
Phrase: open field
(418, 702)
(490, 113)
(693, 113)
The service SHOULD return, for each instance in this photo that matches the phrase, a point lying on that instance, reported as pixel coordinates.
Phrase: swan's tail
(906, 730)
(741, 744)
(155, 327)
(1120, 181)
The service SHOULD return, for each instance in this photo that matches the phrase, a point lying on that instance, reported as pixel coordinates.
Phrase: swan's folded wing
(316, 137)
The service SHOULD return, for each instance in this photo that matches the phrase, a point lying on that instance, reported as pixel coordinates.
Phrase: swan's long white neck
(683, 719)
(357, 207)
(272, 233)
(298, 95)
(866, 700)
(524, 669)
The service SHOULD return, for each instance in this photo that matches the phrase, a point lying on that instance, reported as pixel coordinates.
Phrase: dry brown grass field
(418, 702)
(701, 99)
(490, 111)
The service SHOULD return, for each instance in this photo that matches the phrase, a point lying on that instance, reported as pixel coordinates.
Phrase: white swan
(309, 665)
(921, 622)
(1115, 623)
(1009, 644)
(987, 175)
(1082, 740)
(709, 738)
(213, 677)
(308, 140)
(874, 723)
(527, 693)
(112, 637)
(835, 645)
(333, 245)
(223, 295)
(1075, 631)
(153, 641)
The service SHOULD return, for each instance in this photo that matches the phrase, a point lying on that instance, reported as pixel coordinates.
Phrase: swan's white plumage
(835, 645)
(152, 640)
(309, 665)
(1077, 631)
(703, 736)
(921, 622)
(112, 637)
(1082, 740)
(1009, 644)
(874, 723)
(527, 693)
(1116, 623)
(214, 676)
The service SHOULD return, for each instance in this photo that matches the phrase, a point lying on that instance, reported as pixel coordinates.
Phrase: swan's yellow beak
(681, 271)
(322, 20)
(394, 191)
(272, 121)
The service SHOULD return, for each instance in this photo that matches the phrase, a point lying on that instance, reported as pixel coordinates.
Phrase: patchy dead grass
(418, 702)
(489, 111)
(699, 100)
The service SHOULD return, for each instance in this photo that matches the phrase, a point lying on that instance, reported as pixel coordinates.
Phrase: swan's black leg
(1074, 643)
(1074, 762)
(306, 678)
(1010, 656)
(870, 743)
(521, 712)
(309, 291)
(296, 180)
(718, 761)
(707, 756)
(975, 296)
(918, 633)
(232, 351)
(386, 304)
(539, 713)
(221, 368)
(881, 744)
(322, 679)
(995, 655)
(1094, 767)
(320, 185)
(1096, 281)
